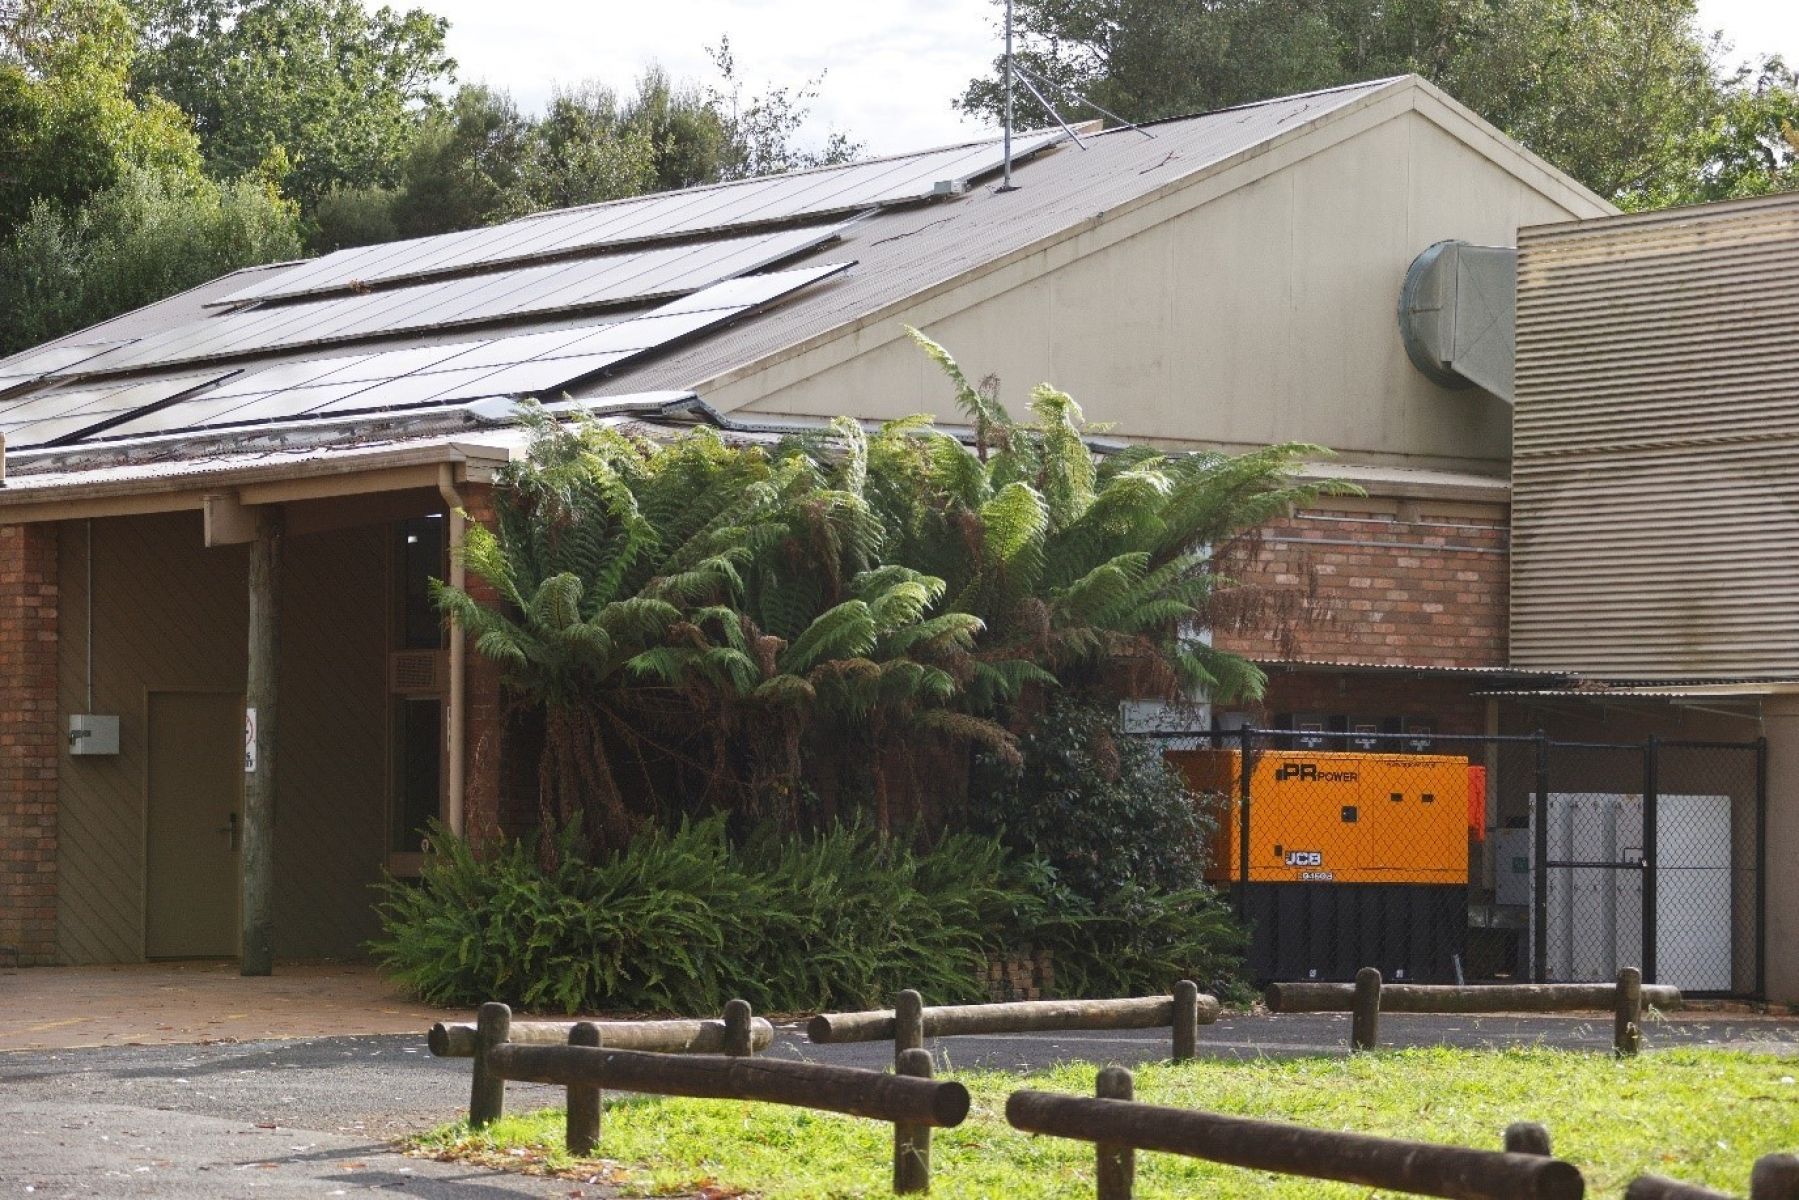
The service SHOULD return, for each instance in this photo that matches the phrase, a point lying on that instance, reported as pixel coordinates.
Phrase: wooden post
(1527, 1137)
(912, 1143)
(738, 1040)
(908, 1024)
(1115, 1166)
(1775, 1177)
(1627, 1019)
(487, 1091)
(1186, 1020)
(256, 951)
(1364, 1021)
(583, 1128)
(456, 1039)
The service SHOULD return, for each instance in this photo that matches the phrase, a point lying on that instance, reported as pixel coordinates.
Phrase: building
(231, 499)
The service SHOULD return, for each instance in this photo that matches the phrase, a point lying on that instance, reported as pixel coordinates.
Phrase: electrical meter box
(93, 734)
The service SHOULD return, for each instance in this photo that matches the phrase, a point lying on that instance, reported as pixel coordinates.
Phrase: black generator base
(1410, 932)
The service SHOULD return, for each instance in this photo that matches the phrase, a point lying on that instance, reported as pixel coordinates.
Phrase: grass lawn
(1695, 1115)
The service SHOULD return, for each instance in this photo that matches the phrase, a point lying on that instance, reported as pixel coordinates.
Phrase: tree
(68, 125)
(1749, 147)
(146, 236)
(1609, 90)
(335, 91)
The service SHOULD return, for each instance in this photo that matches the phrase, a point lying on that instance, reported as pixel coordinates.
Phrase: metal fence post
(1651, 852)
(1540, 860)
(1761, 868)
(1243, 771)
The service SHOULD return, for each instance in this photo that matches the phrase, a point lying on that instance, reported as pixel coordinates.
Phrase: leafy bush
(683, 920)
(1102, 808)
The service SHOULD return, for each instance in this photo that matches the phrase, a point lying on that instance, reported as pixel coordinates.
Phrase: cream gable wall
(1265, 314)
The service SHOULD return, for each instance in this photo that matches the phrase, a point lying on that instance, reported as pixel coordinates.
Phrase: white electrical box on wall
(90, 733)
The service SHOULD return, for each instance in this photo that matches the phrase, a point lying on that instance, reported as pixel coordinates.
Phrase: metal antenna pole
(1006, 183)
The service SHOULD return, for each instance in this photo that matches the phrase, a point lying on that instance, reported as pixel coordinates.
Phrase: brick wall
(29, 741)
(1366, 588)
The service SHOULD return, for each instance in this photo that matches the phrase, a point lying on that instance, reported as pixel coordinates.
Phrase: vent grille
(414, 672)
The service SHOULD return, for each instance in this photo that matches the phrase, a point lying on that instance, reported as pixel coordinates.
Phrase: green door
(195, 799)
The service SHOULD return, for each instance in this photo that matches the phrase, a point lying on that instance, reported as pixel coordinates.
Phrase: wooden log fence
(586, 1063)
(1368, 997)
(1775, 1177)
(457, 1039)
(1118, 1127)
(909, 1022)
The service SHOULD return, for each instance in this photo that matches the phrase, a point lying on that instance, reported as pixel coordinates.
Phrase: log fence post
(1527, 1137)
(1364, 1021)
(1186, 1021)
(1775, 1177)
(1627, 1019)
(738, 1042)
(487, 1091)
(908, 1024)
(583, 1129)
(912, 1143)
(1115, 1166)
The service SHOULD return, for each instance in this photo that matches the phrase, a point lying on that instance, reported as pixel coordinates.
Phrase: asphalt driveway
(310, 1117)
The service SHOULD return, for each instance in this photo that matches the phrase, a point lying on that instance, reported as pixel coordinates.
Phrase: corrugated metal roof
(900, 251)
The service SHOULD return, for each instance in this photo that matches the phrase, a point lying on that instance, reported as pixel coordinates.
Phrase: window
(418, 559)
(418, 769)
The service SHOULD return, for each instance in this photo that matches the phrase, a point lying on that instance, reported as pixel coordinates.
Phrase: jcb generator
(1353, 860)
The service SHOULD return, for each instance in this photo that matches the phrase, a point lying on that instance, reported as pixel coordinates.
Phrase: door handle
(230, 827)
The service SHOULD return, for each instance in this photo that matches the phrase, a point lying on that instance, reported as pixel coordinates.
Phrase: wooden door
(195, 800)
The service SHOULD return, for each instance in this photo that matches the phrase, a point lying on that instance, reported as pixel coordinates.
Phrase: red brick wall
(1365, 588)
(29, 741)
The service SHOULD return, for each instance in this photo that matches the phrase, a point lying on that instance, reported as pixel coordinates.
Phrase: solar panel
(452, 372)
(47, 360)
(70, 412)
(716, 208)
(645, 274)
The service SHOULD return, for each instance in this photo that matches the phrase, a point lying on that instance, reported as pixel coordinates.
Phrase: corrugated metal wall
(1656, 445)
(169, 615)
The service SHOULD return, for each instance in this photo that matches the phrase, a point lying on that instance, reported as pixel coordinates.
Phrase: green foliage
(69, 127)
(684, 920)
(1611, 92)
(144, 237)
(1103, 810)
(333, 89)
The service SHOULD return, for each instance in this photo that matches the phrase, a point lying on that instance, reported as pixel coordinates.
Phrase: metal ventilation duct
(1457, 310)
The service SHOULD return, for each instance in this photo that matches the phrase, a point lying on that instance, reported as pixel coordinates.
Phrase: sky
(890, 68)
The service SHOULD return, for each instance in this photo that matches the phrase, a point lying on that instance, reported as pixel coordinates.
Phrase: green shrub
(683, 920)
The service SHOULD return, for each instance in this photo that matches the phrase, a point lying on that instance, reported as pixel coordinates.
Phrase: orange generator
(1353, 859)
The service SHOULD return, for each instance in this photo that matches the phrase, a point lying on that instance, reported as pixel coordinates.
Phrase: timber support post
(1186, 1020)
(1115, 1166)
(738, 1025)
(1527, 1137)
(911, 1142)
(908, 1024)
(487, 1091)
(583, 1127)
(1775, 1177)
(256, 952)
(1364, 1021)
(1627, 1018)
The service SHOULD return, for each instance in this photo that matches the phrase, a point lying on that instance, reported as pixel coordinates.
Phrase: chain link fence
(1448, 858)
